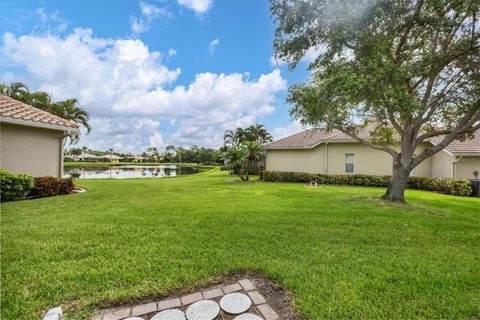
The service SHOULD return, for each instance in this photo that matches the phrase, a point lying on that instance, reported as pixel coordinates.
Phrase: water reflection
(130, 171)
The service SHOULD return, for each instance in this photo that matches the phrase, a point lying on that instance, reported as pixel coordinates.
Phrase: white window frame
(352, 163)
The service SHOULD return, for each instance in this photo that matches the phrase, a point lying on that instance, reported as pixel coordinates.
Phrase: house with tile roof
(32, 140)
(319, 151)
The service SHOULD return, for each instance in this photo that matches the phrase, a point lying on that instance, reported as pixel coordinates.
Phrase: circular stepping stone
(170, 314)
(235, 303)
(203, 310)
(248, 316)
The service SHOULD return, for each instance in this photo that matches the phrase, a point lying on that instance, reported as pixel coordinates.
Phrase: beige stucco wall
(465, 166)
(442, 165)
(366, 160)
(311, 160)
(30, 150)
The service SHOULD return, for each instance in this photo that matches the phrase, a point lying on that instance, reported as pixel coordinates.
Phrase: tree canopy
(410, 68)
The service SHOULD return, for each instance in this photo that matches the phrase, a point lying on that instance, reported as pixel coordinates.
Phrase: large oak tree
(411, 68)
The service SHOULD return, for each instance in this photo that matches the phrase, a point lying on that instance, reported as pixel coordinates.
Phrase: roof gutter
(312, 146)
(38, 124)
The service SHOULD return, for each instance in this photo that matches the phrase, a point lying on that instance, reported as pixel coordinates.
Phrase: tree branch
(469, 123)
(408, 27)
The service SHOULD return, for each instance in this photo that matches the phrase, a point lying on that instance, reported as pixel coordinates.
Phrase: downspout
(326, 158)
(62, 143)
(454, 169)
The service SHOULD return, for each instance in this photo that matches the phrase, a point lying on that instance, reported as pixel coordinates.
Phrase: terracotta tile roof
(463, 147)
(13, 109)
(310, 138)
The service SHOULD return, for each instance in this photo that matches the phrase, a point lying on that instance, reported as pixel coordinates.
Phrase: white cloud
(120, 133)
(96, 70)
(156, 140)
(128, 90)
(292, 128)
(172, 52)
(49, 22)
(212, 46)
(149, 13)
(199, 6)
(309, 56)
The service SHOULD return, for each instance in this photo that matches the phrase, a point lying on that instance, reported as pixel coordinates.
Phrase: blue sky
(152, 73)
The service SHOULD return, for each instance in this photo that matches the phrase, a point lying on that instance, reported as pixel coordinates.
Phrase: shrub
(462, 188)
(450, 186)
(51, 186)
(14, 186)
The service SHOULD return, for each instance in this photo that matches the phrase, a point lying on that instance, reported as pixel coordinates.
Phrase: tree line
(242, 154)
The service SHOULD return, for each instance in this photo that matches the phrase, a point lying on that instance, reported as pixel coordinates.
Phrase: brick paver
(256, 297)
(232, 288)
(169, 304)
(267, 312)
(191, 298)
(212, 294)
(144, 309)
(247, 285)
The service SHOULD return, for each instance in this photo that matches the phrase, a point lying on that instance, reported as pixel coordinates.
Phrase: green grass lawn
(337, 249)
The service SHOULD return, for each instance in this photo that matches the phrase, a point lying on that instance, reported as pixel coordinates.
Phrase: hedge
(19, 186)
(454, 187)
(14, 186)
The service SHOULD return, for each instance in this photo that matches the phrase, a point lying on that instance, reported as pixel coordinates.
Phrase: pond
(128, 171)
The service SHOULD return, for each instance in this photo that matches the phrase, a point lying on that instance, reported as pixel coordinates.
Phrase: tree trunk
(402, 165)
(398, 184)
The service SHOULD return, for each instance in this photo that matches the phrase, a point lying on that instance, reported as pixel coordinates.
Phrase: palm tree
(15, 90)
(255, 151)
(233, 138)
(75, 151)
(40, 100)
(259, 133)
(235, 158)
(68, 109)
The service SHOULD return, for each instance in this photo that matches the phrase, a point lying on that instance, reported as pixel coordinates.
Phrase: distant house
(32, 140)
(138, 158)
(317, 151)
(111, 158)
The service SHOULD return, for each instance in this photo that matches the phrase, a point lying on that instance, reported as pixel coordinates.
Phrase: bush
(14, 186)
(450, 186)
(51, 186)
(462, 188)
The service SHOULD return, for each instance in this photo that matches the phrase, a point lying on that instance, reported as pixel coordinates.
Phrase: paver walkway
(217, 302)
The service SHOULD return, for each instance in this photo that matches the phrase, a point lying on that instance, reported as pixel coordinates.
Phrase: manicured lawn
(341, 252)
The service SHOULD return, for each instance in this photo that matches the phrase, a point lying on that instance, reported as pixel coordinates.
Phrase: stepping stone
(170, 314)
(203, 310)
(235, 303)
(248, 316)
(134, 318)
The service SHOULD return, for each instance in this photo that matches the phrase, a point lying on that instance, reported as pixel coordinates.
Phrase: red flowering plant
(51, 186)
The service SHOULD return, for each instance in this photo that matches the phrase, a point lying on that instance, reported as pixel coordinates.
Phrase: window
(349, 162)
